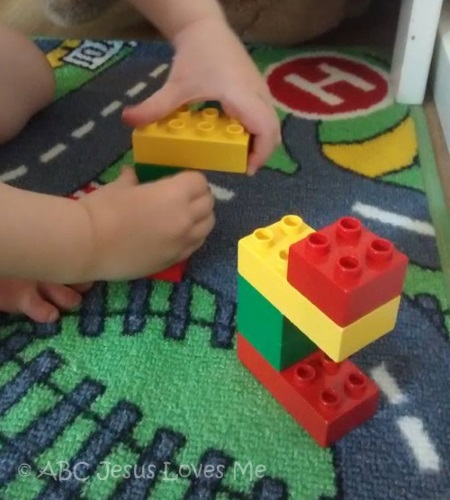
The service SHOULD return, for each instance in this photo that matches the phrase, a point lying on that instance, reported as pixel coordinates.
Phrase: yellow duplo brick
(203, 140)
(271, 244)
(262, 261)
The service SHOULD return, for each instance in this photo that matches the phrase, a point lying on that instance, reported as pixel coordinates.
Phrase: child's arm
(210, 64)
(122, 231)
(173, 16)
(42, 237)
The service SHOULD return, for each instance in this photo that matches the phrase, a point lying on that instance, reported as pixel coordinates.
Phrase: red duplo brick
(327, 399)
(346, 270)
(173, 274)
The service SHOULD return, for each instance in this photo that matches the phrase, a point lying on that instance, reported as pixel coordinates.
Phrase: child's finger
(199, 235)
(262, 147)
(261, 121)
(194, 184)
(163, 102)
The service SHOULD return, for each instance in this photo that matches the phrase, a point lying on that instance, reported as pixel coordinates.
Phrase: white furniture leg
(416, 34)
(440, 73)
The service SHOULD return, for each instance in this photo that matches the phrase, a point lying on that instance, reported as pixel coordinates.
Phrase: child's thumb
(161, 104)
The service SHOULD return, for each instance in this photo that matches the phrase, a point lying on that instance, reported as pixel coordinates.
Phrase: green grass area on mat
(421, 281)
(362, 128)
(206, 417)
(440, 212)
(410, 177)
(69, 77)
(39, 399)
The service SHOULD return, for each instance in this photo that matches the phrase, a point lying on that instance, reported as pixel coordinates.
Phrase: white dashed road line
(159, 70)
(388, 385)
(13, 174)
(393, 219)
(83, 130)
(221, 193)
(52, 153)
(137, 89)
(109, 110)
(418, 440)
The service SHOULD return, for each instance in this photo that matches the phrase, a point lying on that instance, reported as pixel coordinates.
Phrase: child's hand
(212, 64)
(139, 230)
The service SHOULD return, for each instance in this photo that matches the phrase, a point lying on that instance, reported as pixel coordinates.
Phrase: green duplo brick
(274, 336)
(151, 173)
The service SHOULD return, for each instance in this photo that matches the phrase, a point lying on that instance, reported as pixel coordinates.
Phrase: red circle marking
(355, 86)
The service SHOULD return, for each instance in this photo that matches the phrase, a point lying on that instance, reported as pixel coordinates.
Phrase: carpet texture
(139, 392)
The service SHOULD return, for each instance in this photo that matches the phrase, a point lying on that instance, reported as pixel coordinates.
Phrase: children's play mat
(138, 391)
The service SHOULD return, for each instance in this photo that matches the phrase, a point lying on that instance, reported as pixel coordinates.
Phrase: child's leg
(26, 82)
(26, 86)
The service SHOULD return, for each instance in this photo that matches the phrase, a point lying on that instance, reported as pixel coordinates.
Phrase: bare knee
(27, 82)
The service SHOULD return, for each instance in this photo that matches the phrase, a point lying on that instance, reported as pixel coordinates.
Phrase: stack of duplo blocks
(307, 300)
(189, 139)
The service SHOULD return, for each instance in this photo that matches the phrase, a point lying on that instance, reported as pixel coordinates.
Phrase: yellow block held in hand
(202, 140)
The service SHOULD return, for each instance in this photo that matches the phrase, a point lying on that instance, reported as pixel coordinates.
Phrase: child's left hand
(210, 63)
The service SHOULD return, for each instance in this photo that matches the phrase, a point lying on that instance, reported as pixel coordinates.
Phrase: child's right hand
(138, 230)
(223, 72)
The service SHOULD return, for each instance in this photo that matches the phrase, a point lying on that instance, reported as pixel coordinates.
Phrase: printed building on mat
(307, 300)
